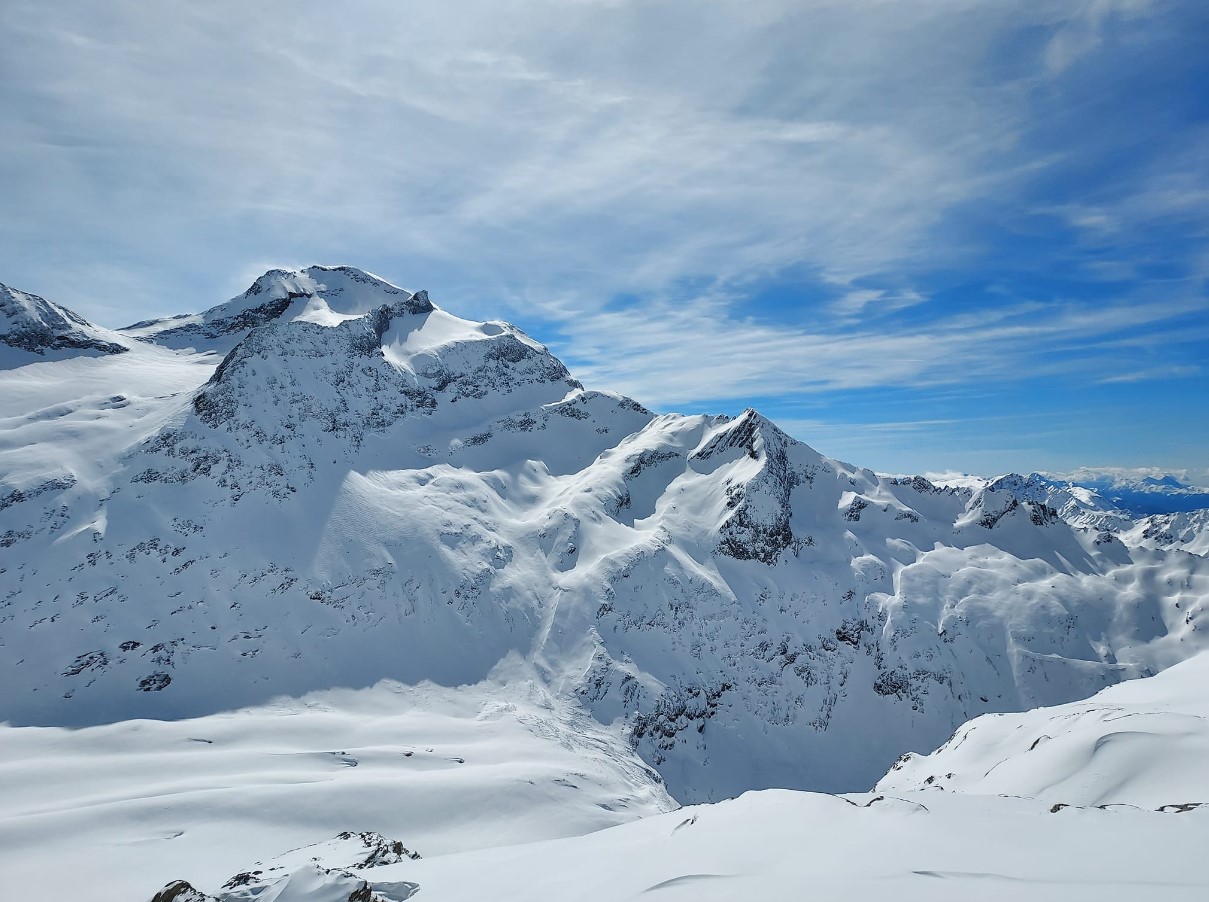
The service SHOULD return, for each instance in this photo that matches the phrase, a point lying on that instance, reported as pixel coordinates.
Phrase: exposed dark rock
(34, 324)
(155, 682)
(182, 891)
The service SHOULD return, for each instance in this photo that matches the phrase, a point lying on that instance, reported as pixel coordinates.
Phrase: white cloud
(530, 145)
(865, 302)
(553, 156)
(675, 352)
(1081, 34)
(1172, 371)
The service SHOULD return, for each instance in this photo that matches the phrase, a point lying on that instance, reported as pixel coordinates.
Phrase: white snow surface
(795, 845)
(131, 806)
(1142, 743)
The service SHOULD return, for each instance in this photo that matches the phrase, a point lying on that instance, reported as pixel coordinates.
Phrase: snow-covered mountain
(325, 295)
(1142, 496)
(1183, 524)
(1188, 531)
(33, 328)
(367, 487)
(1073, 504)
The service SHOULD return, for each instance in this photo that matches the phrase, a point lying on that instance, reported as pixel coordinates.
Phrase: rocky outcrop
(324, 872)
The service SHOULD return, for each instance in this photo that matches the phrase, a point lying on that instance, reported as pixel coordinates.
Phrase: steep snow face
(1143, 743)
(33, 328)
(383, 490)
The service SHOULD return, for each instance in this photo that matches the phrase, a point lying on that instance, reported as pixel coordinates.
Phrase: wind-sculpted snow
(914, 847)
(293, 795)
(1142, 744)
(367, 487)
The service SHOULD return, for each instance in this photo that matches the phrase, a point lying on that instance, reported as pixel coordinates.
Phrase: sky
(921, 236)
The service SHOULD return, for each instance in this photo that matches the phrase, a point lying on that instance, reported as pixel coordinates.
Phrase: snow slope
(1117, 760)
(1142, 743)
(133, 805)
(786, 845)
(793, 845)
(368, 487)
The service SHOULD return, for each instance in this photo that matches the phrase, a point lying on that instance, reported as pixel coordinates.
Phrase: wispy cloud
(1152, 374)
(527, 145)
(866, 301)
(676, 352)
(1082, 33)
(967, 193)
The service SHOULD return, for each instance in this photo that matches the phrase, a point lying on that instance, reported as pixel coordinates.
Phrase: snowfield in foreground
(776, 844)
(130, 806)
(493, 788)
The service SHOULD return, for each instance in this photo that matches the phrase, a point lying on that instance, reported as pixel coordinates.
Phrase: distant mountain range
(1147, 495)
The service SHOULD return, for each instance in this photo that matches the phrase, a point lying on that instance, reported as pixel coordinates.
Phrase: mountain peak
(278, 283)
(34, 325)
(324, 295)
(1167, 481)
